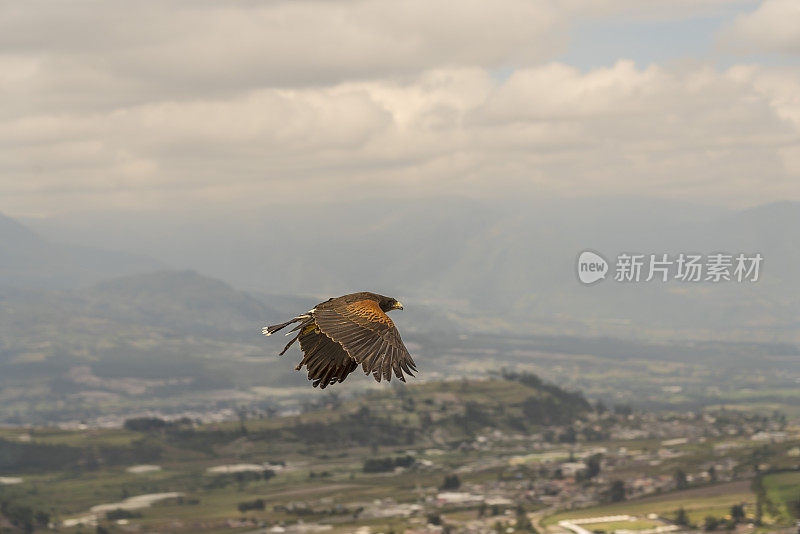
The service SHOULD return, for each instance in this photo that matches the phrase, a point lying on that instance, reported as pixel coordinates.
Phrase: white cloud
(679, 132)
(136, 51)
(142, 104)
(653, 9)
(773, 27)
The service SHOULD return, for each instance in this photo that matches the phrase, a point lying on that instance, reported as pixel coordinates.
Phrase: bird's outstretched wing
(325, 359)
(368, 335)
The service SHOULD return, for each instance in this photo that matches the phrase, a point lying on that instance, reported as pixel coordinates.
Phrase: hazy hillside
(28, 260)
(177, 341)
(129, 341)
(183, 301)
(484, 290)
(486, 262)
(443, 412)
(177, 301)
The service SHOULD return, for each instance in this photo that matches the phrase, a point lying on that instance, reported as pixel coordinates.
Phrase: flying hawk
(339, 334)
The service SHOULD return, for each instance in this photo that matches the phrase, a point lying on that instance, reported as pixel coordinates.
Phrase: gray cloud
(139, 51)
(772, 27)
(152, 105)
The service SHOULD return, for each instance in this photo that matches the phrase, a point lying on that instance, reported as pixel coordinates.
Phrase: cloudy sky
(156, 105)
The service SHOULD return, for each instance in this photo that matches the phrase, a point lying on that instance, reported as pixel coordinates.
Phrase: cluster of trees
(571, 435)
(26, 457)
(681, 480)
(794, 506)
(521, 523)
(246, 506)
(119, 513)
(486, 510)
(474, 418)
(16, 457)
(681, 517)
(712, 523)
(240, 478)
(24, 517)
(383, 465)
(556, 407)
(451, 483)
(764, 502)
(301, 509)
(593, 467)
(154, 424)
(616, 491)
(360, 427)
(737, 515)
(547, 410)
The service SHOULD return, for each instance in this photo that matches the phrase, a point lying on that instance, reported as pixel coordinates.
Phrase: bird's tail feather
(269, 330)
(304, 320)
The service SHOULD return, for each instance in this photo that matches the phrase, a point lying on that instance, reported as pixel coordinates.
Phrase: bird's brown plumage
(340, 334)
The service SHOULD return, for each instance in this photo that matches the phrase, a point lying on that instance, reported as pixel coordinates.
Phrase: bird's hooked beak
(397, 306)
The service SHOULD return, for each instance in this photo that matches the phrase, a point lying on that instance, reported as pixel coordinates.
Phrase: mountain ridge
(31, 261)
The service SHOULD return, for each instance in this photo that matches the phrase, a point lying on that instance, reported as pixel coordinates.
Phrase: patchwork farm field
(472, 455)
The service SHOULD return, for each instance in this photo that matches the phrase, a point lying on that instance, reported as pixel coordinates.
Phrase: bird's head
(388, 304)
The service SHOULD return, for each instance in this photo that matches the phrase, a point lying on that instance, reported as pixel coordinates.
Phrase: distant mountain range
(183, 301)
(84, 332)
(153, 341)
(487, 266)
(29, 261)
